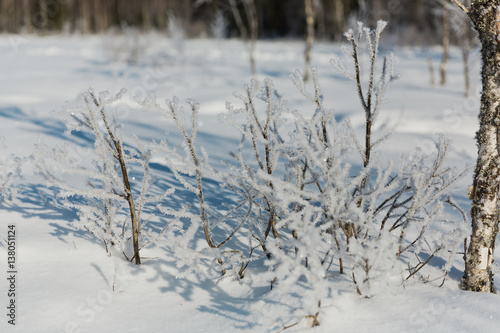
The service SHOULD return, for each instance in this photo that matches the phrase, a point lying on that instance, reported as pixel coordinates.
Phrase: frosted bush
(378, 226)
(10, 171)
(111, 188)
(126, 46)
(320, 204)
(310, 203)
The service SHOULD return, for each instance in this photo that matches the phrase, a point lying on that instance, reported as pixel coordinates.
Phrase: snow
(67, 283)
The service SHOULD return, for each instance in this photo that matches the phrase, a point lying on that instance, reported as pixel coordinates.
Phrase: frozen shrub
(113, 192)
(10, 170)
(127, 45)
(308, 201)
(302, 205)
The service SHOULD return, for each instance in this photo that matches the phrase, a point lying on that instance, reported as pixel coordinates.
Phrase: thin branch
(462, 7)
(287, 327)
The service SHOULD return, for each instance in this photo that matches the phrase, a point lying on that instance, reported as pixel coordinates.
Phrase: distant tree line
(413, 21)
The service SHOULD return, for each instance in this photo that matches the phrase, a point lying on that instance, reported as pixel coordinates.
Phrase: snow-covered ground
(65, 280)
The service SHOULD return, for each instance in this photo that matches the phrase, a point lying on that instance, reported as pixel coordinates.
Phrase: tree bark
(466, 52)
(99, 15)
(478, 276)
(310, 20)
(467, 37)
(187, 15)
(339, 18)
(27, 24)
(4, 15)
(446, 42)
(161, 14)
(254, 32)
(85, 16)
(147, 21)
(251, 14)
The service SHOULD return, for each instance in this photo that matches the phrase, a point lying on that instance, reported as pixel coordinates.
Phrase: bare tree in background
(338, 15)
(310, 21)
(271, 18)
(101, 15)
(85, 17)
(445, 42)
(467, 37)
(459, 26)
(146, 15)
(160, 11)
(485, 15)
(41, 18)
(250, 38)
(28, 27)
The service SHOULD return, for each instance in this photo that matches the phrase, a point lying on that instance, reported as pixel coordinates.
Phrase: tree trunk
(310, 36)
(187, 16)
(146, 15)
(468, 36)
(446, 42)
(251, 14)
(239, 21)
(478, 276)
(4, 15)
(85, 16)
(28, 27)
(99, 16)
(69, 17)
(338, 18)
(161, 13)
(431, 72)
(254, 32)
(319, 11)
(466, 53)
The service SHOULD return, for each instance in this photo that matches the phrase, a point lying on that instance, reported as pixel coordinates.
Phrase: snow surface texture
(66, 281)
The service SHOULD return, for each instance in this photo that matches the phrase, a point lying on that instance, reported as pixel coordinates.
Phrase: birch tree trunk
(28, 26)
(99, 16)
(4, 15)
(250, 41)
(339, 19)
(446, 42)
(187, 16)
(43, 15)
(465, 55)
(310, 20)
(161, 13)
(147, 21)
(478, 276)
(468, 37)
(252, 15)
(85, 17)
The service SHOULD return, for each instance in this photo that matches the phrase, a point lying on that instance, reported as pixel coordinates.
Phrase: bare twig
(287, 327)
(462, 7)
(420, 265)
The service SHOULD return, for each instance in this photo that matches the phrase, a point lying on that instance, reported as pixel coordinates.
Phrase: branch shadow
(236, 309)
(47, 126)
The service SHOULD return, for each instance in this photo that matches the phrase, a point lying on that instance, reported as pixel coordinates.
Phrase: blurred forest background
(412, 22)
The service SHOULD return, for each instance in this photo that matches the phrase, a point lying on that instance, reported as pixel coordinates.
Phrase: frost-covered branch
(372, 98)
(98, 190)
(301, 201)
(10, 171)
